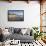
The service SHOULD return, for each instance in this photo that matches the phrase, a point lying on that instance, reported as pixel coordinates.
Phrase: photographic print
(15, 15)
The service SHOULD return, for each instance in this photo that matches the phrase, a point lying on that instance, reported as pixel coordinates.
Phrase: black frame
(15, 15)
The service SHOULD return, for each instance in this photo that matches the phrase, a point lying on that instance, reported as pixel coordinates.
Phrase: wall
(31, 14)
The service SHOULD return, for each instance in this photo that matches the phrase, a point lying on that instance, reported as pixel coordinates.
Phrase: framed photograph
(15, 15)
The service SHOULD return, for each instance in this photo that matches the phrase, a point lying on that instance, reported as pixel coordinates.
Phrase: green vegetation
(37, 33)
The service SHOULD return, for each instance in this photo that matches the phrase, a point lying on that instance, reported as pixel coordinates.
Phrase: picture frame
(15, 15)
